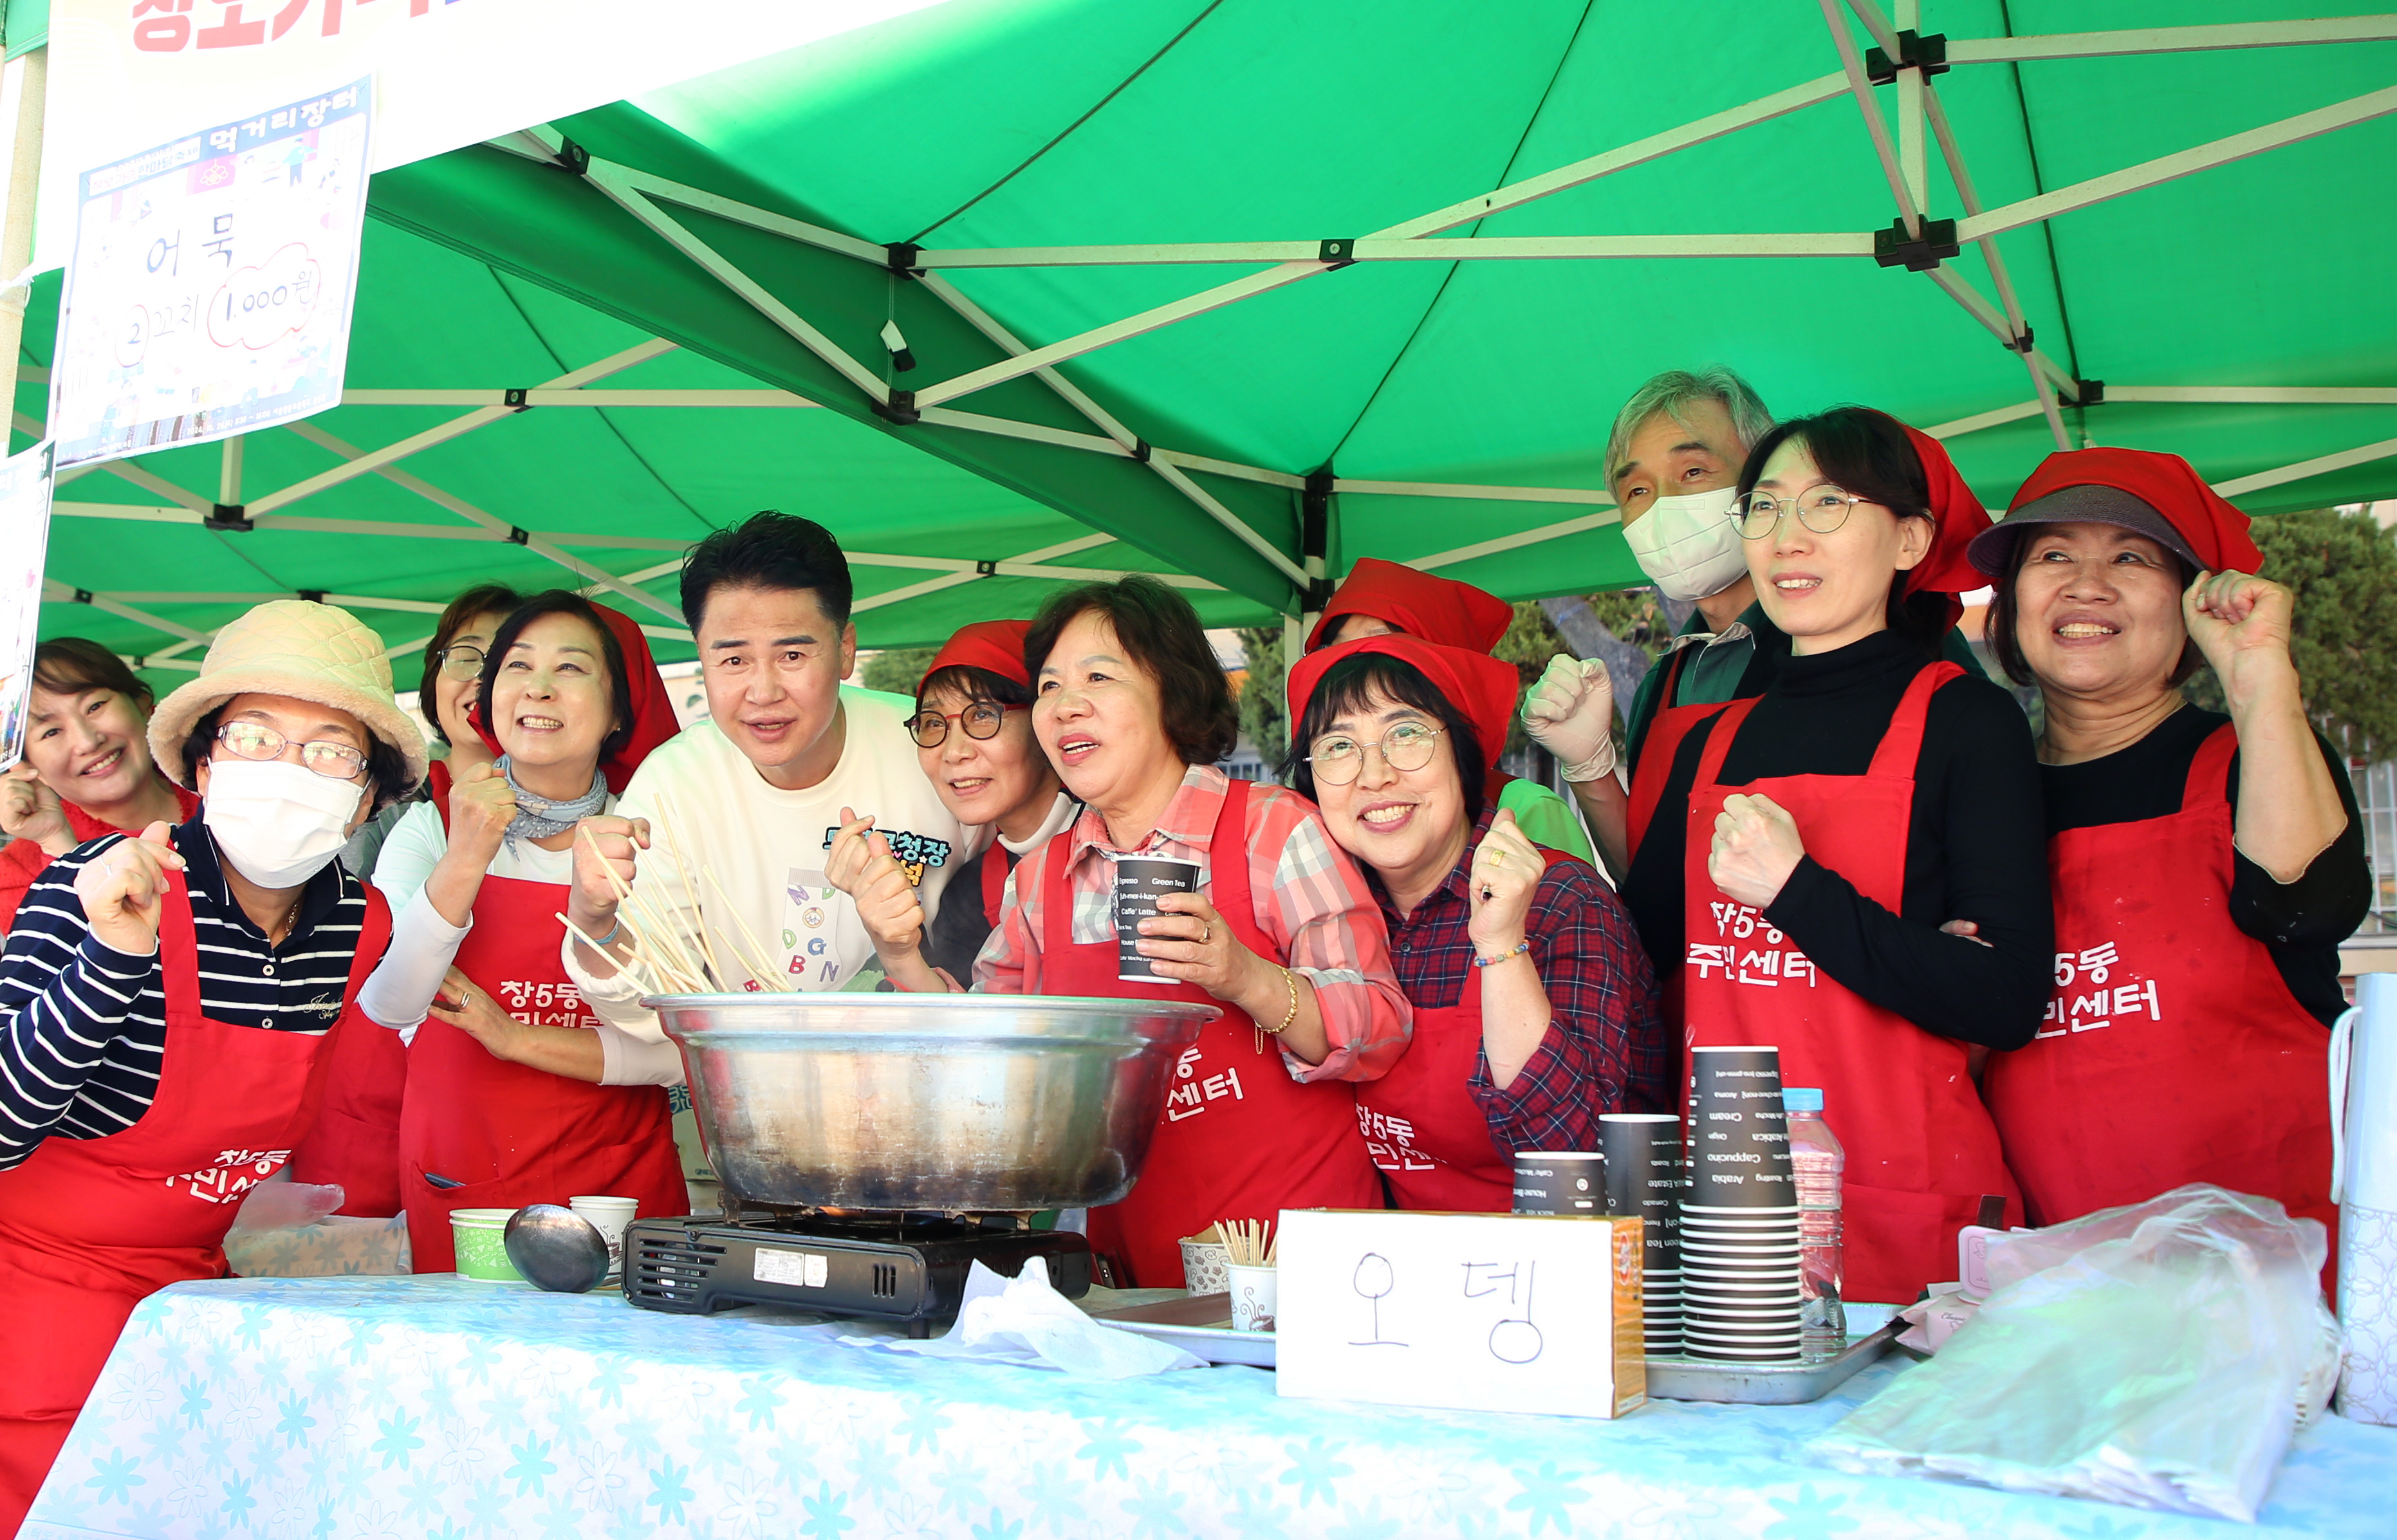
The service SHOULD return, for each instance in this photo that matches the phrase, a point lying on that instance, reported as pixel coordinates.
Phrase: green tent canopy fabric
(1361, 277)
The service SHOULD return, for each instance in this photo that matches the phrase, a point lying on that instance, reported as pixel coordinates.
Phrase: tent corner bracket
(2089, 392)
(228, 518)
(573, 158)
(83, 595)
(517, 535)
(1339, 253)
(1140, 450)
(516, 400)
(900, 408)
(1915, 51)
(900, 257)
(985, 569)
(314, 595)
(1895, 247)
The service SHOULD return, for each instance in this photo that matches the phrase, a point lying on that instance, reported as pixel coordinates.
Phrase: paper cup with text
(1253, 1297)
(1739, 1135)
(1559, 1182)
(1141, 881)
(609, 1216)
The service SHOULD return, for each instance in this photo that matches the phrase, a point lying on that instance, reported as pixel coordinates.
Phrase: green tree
(1265, 702)
(896, 669)
(2343, 567)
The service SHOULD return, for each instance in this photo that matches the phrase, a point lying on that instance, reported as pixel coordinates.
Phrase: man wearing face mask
(142, 1095)
(1673, 461)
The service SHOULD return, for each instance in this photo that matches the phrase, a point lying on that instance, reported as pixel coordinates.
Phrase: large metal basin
(948, 1101)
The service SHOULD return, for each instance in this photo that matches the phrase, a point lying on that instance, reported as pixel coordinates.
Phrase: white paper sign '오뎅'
(210, 286)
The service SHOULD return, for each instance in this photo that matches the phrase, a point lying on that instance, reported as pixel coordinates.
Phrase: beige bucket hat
(308, 651)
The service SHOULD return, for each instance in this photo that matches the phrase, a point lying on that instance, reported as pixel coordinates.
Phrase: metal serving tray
(1679, 1379)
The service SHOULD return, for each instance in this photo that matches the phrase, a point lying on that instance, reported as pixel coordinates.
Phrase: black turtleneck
(1976, 847)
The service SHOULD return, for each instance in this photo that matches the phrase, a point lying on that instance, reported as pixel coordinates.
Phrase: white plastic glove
(1570, 713)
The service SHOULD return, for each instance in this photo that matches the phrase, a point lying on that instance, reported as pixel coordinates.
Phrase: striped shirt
(1311, 902)
(83, 1027)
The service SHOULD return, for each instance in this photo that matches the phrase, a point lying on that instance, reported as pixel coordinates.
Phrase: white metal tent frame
(1915, 239)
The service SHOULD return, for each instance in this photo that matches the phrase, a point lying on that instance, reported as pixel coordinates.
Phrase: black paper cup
(1702, 1251)
(1739, 1132)
(1559, 1182)
(1643, 1160)
(1141, 881)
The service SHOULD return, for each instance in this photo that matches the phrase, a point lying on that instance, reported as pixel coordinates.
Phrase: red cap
(2214, 532)
(1476, 683)
(653, 707)
(1437, 609)
(996, 647)
(1956, 515)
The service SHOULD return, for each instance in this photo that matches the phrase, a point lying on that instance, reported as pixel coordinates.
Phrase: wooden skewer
(769, 978)
(666, 827)
(634, 965)
(656, 937)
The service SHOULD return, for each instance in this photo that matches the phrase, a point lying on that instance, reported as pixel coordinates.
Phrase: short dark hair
(68, 665)
(484, 599)
(564, 601)
(2004, 612)
(1349, 684)
(387, 777)
(974, 684)
(768, 550)
(1867, 453)
(1162, 633)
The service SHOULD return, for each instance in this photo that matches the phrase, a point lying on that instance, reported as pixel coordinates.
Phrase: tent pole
(2234, 34)
(1853, 63)
(1912, 161)
(24, 86)
(2319, 465)
(229, 469)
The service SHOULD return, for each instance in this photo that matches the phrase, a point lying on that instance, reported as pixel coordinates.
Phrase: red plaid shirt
(1605, 1050)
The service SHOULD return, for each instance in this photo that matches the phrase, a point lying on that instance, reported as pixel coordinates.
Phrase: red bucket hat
(1477, 684)
(1436, 608)
(2158, 495)
(995, 647)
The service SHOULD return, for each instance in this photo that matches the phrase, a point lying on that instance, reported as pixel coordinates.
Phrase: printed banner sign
(210, 285)
(25, 538)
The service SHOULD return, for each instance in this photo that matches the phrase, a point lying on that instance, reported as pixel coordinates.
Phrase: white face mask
(278, 823)
(1688, 545)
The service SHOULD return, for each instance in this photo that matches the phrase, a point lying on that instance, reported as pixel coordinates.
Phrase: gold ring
(1206, 932)
(1497, 858)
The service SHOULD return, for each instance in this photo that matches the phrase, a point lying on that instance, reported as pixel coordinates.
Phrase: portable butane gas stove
(906, 1267)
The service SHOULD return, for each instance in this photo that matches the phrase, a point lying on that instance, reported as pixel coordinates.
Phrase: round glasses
(251, 741)
(1822, 509)
(1339, 759)
(930, 729)
(461, 662)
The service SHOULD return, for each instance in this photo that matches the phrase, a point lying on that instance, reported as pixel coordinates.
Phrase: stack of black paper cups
(1739, 1221)
(1645, 1178)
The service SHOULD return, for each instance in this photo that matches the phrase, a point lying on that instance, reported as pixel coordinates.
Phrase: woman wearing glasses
(1804, 845)
(142, 1092)
(972, 729)
(503, 1103)
(1131, 707)
(1534, 1007)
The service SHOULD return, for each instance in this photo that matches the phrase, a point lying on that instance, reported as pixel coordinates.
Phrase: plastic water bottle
(1816, 1159)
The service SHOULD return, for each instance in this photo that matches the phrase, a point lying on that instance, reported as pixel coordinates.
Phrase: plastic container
(480, 1237)
(609, 1216)
(1817, 1161)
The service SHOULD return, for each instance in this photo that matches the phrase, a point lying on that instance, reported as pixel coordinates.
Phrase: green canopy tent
(1241, 293)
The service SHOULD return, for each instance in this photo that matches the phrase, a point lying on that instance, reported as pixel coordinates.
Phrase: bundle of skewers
(1250, 1242)
(656, 953)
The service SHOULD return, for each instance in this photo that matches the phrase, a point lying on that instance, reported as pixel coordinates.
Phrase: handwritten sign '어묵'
(1477, 1312)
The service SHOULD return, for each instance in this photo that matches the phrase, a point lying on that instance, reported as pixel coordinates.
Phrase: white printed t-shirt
(765, 848)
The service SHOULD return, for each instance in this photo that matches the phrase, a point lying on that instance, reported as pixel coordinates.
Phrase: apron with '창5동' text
(90, 1227)
(2172, 1051)
(1422, 1126)
(1238, 1138)
(1922, 1151)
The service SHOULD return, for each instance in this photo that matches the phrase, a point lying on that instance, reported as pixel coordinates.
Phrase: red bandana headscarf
(996, 647)
(653, 707)
(1476, 683)
(1437, 609)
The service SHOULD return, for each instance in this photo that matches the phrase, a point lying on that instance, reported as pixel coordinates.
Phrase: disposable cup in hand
(1253, 1298)
(609, 1216)
(1141, 881)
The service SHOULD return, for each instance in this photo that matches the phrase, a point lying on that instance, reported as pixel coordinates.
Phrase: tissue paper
(1025, 1321)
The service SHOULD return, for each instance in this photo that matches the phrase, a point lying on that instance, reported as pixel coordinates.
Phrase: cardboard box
(1478, 1312)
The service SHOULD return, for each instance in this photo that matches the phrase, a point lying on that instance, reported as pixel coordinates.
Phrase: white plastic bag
(2159, 1355)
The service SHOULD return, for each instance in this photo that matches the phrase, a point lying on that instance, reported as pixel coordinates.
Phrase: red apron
(511, 1133)
(89, 1227)
(1920, 1148)
(996, 863)
(1238, 1138)
(1422, 1126)
(2172, 1052)
(1665, 730)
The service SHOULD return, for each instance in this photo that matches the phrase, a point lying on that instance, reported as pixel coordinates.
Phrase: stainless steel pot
(948, 1101)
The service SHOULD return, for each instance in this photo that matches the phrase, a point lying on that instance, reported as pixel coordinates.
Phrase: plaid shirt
(1605, 1050)
(1311, 904)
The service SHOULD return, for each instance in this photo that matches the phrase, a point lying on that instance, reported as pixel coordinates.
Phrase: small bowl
(1206, 1266)
(480, 1237)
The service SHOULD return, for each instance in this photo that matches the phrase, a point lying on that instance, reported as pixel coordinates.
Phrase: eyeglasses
(461, 662)
(251, 741)
(981, 720)
(1407, 746)
(1822, 509)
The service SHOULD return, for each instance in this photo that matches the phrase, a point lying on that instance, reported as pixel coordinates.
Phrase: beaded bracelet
(1517, 950)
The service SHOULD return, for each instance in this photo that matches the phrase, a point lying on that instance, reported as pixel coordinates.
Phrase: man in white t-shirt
(746, 803)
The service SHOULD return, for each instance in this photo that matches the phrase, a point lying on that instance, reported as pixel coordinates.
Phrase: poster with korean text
(25, 540)
(209, 290)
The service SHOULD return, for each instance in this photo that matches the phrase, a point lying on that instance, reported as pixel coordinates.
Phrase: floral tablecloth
(395, 1407)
